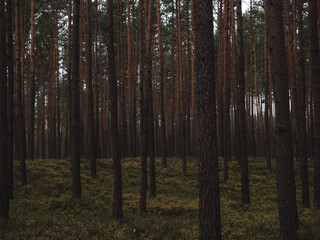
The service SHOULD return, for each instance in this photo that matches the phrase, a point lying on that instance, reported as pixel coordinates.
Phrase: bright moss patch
(44, 209)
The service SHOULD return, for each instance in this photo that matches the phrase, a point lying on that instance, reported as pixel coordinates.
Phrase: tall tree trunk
(90, 112)
(220, 120)
(68, 114)
(122, 75)
(292, 76)
(209, 199)
(75, 106)
(188, 78)
(42, 145)
(31, 89)
(20, 116)
(173, 145)
(134, 85)
(287, 205)
(235, 91)
(315, 78)
(117, 177)
(57, 72)
(10, 97)
(245, 194)
(266, 93)
(226, 92)
(143, 114)
(253, 138)
(303, 151)
(4, 197)
(148, 96)
(162, 113)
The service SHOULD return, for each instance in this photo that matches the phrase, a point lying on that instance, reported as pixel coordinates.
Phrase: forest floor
(44, 209)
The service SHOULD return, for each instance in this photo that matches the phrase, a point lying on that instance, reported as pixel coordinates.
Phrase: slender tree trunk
(4, 197)
(173, 148)
(209, 199)
(235, 108)
(134, 85)
(57, 72)
(75, 106)
(315, 76)
(117, 177)
(148, 96)
(287, 205)
(143, 115)
(20, 116)
(188, 79)
(245, 194)
(220, 108)
(226, 92)
(303, 151)
(253, 138)
(292, 77)
(42, 145)
(162, 113)
(10, 97)
(31, 89)
(90, 112)
(266, 93)
(68, 116)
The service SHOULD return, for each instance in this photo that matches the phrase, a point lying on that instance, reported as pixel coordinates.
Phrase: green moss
(44, 209)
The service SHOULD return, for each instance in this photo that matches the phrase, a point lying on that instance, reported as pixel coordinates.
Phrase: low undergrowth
(44, 209)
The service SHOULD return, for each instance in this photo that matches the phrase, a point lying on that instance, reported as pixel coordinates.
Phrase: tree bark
(315, 78)
(245, 194)
(266, 93)
(90, 112)
(31, 89)
(303, 151)
(226, 93)
(148, 95)
(117, 177)
(4, 197)
(10, 97)
(75, 106)
(253, 138)
(162, 113)
(143, 115)
(209, 200)
(287, 205)
(19, 107)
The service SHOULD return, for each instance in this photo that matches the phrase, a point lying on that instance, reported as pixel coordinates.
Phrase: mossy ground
(44, 209)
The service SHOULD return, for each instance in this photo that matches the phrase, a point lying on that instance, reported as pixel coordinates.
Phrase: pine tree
(209, 200)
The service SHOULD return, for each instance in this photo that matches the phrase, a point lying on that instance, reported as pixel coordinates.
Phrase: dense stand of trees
(170, 78)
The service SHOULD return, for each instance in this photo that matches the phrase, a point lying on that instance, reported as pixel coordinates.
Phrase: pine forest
(160, 119)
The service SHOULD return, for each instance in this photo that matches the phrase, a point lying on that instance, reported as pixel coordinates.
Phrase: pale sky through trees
(245, 5)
